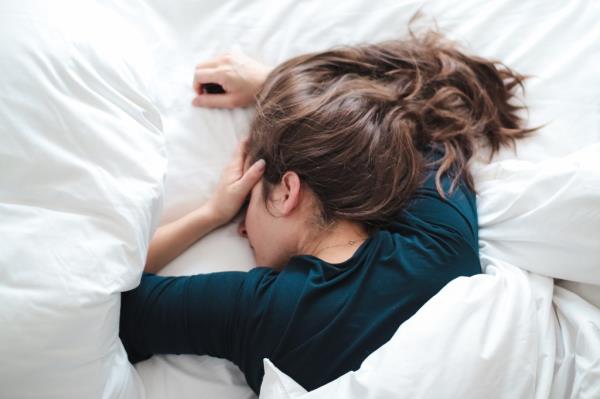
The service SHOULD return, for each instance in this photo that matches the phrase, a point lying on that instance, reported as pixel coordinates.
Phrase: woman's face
(265, 232)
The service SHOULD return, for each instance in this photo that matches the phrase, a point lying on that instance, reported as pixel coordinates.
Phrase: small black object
(212, 88)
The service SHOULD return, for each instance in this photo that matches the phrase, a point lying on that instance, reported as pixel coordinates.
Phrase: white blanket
(509, 327)
(82, 164)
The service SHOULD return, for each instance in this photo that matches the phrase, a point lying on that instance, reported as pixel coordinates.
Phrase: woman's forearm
(172, 239)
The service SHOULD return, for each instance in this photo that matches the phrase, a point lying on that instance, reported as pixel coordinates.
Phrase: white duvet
(82, 166)
(527, 328)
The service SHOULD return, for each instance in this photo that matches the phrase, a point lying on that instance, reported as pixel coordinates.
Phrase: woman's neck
(336, 243)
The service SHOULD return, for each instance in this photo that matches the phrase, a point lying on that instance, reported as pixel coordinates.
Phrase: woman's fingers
(251, 177)
(240, 76)
(215, 101)
(207, 75)
(220, 100)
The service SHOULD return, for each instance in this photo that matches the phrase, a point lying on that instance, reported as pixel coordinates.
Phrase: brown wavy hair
(357, 123)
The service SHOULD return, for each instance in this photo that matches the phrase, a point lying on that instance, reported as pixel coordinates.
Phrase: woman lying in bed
(360, 207)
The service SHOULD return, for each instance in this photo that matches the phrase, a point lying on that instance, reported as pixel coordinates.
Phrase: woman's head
(355, 124)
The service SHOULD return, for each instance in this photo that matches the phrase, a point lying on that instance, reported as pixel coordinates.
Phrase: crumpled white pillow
(544, 216)
(82, 169)
(508, 333)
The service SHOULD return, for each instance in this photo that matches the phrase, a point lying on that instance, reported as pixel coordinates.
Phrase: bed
(102, 146)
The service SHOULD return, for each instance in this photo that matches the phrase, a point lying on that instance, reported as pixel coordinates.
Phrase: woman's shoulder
(450, 213)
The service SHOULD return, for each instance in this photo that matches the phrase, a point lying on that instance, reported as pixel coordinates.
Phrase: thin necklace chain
(349, 243)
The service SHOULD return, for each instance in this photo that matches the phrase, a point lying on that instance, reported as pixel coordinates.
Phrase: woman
(361, 207)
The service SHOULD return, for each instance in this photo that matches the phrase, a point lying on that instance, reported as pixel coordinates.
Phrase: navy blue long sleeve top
(314, 320)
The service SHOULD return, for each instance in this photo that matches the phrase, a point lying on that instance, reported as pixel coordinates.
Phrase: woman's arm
(172, 239)
(205, 314)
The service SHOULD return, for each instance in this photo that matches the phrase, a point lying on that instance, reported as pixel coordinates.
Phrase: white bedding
(509, 333)
(555, 41)
(82, 163)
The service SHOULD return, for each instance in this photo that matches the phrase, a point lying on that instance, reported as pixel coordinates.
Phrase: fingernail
(261, 164)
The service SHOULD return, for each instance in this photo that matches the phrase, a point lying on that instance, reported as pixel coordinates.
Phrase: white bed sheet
(555, 41)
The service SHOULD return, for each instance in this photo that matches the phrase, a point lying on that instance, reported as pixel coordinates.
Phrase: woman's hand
(172, 239)
(235, 185)
(239, 75)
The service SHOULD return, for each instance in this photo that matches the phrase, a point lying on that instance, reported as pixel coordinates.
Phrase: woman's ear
(286, 195)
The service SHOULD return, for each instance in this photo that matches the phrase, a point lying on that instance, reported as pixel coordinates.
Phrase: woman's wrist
(207, 218)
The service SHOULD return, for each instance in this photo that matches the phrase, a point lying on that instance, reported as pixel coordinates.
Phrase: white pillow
(544, 216)
(82, 167)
